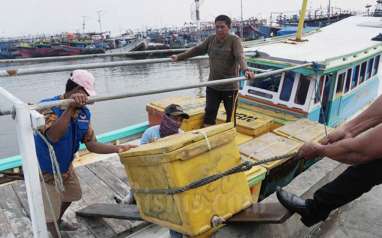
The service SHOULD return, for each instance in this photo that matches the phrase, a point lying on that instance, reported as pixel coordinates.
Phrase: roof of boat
(338, 39)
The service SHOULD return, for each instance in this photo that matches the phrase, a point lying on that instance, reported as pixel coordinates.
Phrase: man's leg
(213, 100)
(348, 186)
(230, 104)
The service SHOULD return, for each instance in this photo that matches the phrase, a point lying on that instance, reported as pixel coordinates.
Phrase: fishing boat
(304, 87)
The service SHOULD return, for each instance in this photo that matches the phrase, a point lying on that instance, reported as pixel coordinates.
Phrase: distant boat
(55, 50)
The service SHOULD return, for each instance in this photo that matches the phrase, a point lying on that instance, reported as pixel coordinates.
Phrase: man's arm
(200, 49)
(369, 118)
(358, 150)
(238, 53)
(57, 129)
(94, 146)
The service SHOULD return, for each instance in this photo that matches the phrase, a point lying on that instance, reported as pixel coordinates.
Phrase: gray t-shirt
(226, 57)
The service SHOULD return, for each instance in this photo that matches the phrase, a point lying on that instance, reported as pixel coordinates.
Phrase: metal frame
(24, 118)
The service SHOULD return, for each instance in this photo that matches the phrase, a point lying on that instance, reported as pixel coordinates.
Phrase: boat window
(355, 77)
(270, 83)
(376, 65)
(369, 68)
(318, 92)
(348, 80)
(302, 90)
(340, 83)
(287, 87)
(363, 71)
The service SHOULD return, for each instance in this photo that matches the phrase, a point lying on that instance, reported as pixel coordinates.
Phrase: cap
(175, 110)
(85, 79)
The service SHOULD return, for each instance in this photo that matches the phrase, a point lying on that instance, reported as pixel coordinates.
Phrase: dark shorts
(214, 98)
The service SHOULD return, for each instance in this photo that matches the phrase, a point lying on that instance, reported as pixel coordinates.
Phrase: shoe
(298, 205)
(65, 226)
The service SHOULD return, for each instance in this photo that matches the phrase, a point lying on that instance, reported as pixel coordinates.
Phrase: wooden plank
(5, 228)
(14, 213)
(129, 212)
(87, 227)
(103, 171)
(151, 231)
(262, 213)
(98, 192)
(117, 168)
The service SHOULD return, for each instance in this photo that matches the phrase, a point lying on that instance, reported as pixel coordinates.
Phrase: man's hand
(174, 58)
(249, 74)
(309, 151)
(123, 148)
(337, 135)
(80, 100)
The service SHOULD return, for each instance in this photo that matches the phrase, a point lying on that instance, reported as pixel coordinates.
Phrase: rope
(204, 134)
(58, 182)
(49, 202)
(247, 165)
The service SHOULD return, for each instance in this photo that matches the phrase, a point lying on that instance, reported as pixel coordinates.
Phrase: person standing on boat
(226, 59)
(355, 143)
(56, 144)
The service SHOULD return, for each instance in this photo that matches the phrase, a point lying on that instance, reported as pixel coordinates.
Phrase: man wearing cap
(170, 124)
(226, 58)
(65, 128)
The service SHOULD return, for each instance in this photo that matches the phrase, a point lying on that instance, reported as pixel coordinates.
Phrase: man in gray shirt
(226, 59)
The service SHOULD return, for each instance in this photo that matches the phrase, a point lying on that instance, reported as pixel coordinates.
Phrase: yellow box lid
(174, 142)
(303, 130)
(191, 105)
(269, 145)
(246, 118)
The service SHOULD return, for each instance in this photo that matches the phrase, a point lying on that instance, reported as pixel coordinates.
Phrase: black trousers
(213, 100)
(350, 185)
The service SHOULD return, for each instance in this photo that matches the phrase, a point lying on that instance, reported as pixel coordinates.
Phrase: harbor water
(106, 116)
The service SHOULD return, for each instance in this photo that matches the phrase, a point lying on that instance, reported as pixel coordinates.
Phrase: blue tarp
(287, 30)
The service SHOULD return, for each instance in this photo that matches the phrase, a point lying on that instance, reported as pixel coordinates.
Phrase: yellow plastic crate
(248, 122)
(279, 116)
(241, 138)
(179, 160)
(267, 146)
(194, 106)
(255, 177)
(303, 130)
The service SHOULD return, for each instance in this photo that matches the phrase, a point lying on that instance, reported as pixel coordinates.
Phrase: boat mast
(301, 20)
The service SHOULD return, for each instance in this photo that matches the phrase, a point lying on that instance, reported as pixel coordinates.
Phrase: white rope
(49, 202)
(205, 138)
(58, 182)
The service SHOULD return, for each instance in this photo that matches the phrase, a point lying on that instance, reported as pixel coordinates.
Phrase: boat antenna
(99, 13)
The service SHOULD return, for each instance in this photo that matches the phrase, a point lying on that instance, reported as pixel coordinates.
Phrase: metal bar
(30, 165)
(77, 57)
(27, 71)
(66, 102)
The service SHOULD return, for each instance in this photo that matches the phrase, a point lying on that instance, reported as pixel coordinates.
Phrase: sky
(24, 17)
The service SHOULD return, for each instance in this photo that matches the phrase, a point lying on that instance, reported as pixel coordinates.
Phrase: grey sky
(20, 17)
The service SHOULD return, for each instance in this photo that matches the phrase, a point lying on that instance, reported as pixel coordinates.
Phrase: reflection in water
(110, 115)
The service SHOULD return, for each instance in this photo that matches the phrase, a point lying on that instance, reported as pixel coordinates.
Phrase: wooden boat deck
(99, 182)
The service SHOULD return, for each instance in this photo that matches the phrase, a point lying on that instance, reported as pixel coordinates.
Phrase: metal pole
(15, 72)
(77, 57)
(66, 102)
(241, 19)
(30, 165)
